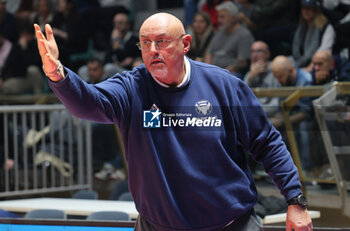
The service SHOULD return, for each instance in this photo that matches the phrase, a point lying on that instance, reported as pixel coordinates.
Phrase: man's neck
(177, 81)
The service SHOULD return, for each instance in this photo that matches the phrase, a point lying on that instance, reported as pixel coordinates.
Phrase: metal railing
(49, 148)
(331, 115)
(326, 94)
(292, 96)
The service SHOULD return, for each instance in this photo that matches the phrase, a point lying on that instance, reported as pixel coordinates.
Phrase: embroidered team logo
(152, 118)
(203, 107)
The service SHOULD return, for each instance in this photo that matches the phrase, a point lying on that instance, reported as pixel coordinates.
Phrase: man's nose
(153, 46)
(153, 49)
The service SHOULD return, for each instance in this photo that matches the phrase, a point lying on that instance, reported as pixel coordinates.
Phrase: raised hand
(49, 53)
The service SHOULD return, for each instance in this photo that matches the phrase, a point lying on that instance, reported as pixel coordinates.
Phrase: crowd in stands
(271, 44)
(266, 43)
(79, 27)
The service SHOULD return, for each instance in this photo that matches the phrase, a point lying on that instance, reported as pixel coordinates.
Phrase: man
(284, 71)
(122, 51)
(230, 46)
(20, 70)
(94, 71)
(327, 69)
(185, 172)
(260, 75)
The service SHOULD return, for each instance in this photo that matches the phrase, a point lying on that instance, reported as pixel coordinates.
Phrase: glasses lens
(162, 43)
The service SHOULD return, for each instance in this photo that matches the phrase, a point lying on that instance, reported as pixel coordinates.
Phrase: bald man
(289, 76)
(182, 122)
(327, 69)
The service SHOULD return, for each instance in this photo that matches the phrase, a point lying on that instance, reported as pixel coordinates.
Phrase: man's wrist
(57, 74)
(298, 200)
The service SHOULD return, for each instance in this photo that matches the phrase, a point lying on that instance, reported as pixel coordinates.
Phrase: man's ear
(187, 42)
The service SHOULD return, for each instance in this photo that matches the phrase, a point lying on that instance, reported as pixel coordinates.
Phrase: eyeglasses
(160, 44)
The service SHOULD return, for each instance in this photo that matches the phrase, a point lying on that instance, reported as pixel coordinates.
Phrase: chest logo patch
(203, 107)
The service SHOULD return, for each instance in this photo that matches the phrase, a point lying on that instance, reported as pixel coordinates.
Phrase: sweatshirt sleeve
(106, 102)
(264, 142)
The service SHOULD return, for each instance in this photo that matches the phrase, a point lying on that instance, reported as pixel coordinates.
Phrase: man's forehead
(161, 23)
(156, 35)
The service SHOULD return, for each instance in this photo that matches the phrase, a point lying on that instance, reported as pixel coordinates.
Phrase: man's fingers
(42, 47)
(36, 27)
(41, 40)
(289, 226)
(49, 63)
(39, 35)
(49, 33)
(51, 40)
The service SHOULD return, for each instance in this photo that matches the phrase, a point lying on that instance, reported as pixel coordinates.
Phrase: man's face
(225, 20)
(120, 22)
(160, 62)
(167, 44)
(284, 77)
(95, 72)
(320, 63)
(259, 52)
(322, 67)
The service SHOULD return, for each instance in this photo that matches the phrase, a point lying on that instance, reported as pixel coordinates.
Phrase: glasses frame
(157, 43)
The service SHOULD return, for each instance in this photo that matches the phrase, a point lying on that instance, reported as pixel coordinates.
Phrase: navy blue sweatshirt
(187, 175)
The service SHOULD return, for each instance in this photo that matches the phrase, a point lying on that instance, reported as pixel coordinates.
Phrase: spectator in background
(8, 23)
(230, 48)
(25, 10)
(105, 149)
(103, 20)
(260, 75)
(338, 14)
(44, 12)
(20, 69)
(210, 7)
(122, 51)
(70, 32)
(275, 22)
(245, 8)
(313, 33)
(287, 76)
(94, 71)
(327, 68)
(202, 34)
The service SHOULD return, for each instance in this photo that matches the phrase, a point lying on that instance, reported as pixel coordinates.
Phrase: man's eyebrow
(147, 36)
